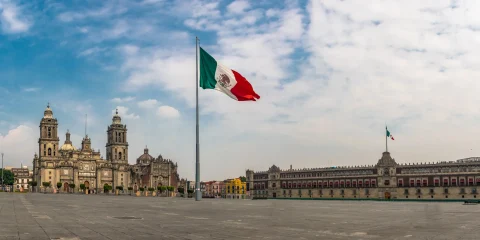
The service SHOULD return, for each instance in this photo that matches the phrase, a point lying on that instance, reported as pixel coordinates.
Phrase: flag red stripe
(243, 90)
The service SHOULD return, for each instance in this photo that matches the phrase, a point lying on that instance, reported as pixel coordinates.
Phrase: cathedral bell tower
(48, 141)
(117, 145)
(117, 151)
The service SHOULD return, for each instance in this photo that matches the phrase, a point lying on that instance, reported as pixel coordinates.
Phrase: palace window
(425, 182)
(374, 183)
(454, 182)
(120, 155)
(436, 182)
(348, 183)
(412, 182)
(419, 191)
(474, 191)
(405, 191)
(331, 192)
(445, 190)
(367, 191)
(445, 182)
(432, 191)
(354, 191)
(342, 184)
(49, 152)
(49, 132)
(470, 181)
(418, 183)
(360, 183)
(274, 185)
(54, 147)
(462, 190)
(400, 182)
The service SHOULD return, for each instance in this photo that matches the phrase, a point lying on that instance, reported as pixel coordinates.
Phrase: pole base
(198, 195)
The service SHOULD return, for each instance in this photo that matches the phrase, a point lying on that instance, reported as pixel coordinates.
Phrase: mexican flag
(390, 135)
(214, 75)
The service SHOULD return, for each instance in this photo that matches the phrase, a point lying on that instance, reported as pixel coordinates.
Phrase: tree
(106, 188)
(72, 186)
(243, 179)
(7, 177)
(181, 189)
(59, 185)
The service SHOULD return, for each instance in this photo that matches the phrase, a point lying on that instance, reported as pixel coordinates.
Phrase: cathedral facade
(67, 164)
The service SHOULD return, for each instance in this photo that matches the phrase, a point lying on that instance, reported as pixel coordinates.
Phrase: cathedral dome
(116, 118)
(146, 158)
(67, 146)
(48, 112)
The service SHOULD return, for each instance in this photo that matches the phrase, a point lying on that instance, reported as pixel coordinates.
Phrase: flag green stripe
(208, 66)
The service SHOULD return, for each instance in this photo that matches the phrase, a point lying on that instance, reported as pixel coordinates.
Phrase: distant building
(385, 180)
(236, 189)
(21, 178)
(154, 172)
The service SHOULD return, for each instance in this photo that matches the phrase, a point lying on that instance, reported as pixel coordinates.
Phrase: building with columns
(67, 164)
(387, 179)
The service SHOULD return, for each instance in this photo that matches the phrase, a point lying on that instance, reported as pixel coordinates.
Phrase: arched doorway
(87, 186)
(387, 195)
(65, 187)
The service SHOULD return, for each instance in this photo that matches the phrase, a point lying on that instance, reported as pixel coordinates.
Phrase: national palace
(385, 180)
(68, 165)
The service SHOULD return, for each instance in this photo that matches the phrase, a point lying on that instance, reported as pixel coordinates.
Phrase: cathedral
(67, 164)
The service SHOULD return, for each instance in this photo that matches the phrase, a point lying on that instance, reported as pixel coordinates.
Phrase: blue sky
(330, 74)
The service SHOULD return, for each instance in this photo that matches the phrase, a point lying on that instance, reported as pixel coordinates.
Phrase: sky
(331, 76)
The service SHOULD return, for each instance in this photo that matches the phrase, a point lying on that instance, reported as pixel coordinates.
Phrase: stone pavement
(63, 216)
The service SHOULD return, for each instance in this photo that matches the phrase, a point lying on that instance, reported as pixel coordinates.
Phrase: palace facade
(67, 164)
(385, 180)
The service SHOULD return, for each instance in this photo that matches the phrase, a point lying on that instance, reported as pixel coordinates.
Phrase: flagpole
(198, 193)
(386, 145)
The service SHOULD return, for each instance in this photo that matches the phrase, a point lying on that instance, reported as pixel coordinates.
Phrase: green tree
(72, 186)
(7, 177)
(243, 179)
(59, 185)
(181, 189)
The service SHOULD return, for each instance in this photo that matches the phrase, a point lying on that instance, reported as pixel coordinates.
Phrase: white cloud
(32, 89)
(129, 49)
(123, 112)
(168, 112)
(150, 103)
(122, 100)
(23, 135)
(12, 19)
(91, 51)
(238, 6)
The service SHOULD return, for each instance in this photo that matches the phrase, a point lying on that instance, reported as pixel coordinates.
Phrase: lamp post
(2, 172)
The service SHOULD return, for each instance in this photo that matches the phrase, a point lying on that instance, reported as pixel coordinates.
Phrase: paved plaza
(65, 216)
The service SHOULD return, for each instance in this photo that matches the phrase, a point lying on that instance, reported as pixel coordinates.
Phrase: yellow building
(236, 189)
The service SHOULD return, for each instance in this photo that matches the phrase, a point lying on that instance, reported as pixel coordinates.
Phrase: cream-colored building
(385, 180)
(67, 164)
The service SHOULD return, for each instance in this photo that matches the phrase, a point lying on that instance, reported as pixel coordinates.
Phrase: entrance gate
(387, 195)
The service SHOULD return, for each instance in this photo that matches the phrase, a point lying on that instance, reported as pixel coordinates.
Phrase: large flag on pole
(214, 75)
(390, 135)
